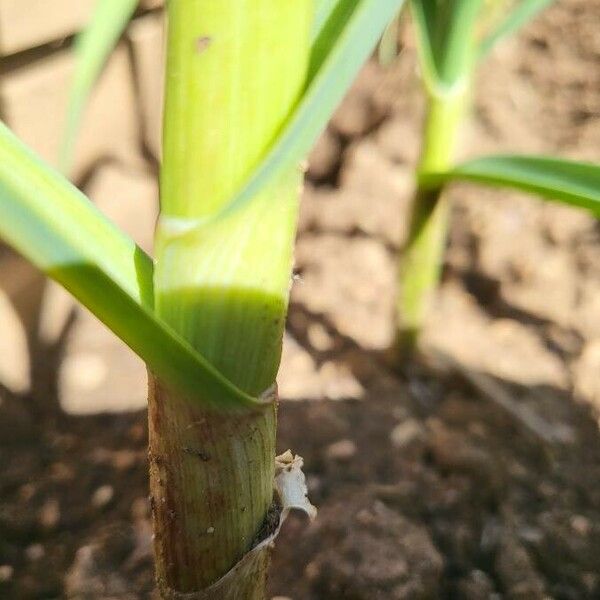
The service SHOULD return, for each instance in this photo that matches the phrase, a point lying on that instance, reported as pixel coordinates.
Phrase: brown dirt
(472, 477)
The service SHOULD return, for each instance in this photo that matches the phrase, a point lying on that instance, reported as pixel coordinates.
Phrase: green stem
(211, 485)
(422, 256)
(235, 69)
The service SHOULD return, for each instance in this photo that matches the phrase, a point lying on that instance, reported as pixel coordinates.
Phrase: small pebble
(137, 432)
(319, 337)
(123, 459)
(476, 586)
(6, 573)
(342, 450)
(312, 571)
(102, 496)
(140, 509)
(210, 530)
(35, 552)
(580, 525)
(407, 432)
(49, 514)
(27, 492)
(61, 472)
(531, 535)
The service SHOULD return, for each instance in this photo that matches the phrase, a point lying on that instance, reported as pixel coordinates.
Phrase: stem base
(211, 485)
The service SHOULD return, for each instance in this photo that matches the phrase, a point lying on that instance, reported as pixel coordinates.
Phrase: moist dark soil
(471, 471)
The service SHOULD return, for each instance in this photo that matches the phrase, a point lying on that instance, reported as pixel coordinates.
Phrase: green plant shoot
(451, 45)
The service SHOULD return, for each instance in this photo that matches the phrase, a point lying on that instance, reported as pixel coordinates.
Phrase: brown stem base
(211, 485)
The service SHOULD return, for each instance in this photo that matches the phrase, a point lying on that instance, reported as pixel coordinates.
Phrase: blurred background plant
(453, 37)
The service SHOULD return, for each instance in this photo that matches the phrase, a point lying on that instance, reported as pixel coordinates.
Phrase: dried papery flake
(290, 484)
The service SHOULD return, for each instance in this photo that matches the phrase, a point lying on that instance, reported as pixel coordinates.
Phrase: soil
(472, 472)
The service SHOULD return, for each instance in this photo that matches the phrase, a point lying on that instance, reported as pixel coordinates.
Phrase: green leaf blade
(517, 18)
(59, 230)
(570, 182)
(344, 43)
(93, 46)
(446, 41)
(324, 10)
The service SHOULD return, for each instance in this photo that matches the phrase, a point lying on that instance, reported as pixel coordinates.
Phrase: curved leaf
(445, 35)
(92, 48)
(323, 13)
(423, 14)
(60, 231)
(518, 16)
(342, 46)
(567, 181)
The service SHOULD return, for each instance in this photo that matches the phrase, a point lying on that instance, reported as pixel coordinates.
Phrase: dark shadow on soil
(435, 492)
(489, 508)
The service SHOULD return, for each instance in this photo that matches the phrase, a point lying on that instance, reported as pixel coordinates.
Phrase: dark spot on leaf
(201, 455)
(202, 43)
